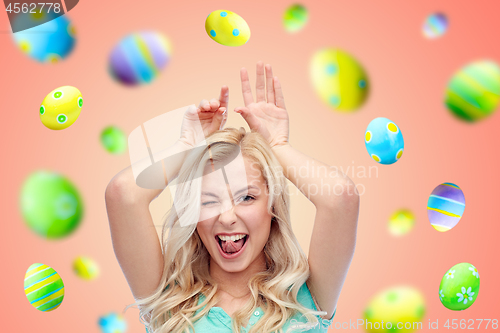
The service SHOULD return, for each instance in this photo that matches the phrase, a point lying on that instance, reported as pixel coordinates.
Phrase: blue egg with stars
(384, 141)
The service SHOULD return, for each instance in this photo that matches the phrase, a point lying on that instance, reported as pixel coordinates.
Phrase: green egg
(114, 140)
(295, 18)
(459, 287)
(43, 287)
(50, 205)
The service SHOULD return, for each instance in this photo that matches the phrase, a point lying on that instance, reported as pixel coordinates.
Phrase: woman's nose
(227, 213)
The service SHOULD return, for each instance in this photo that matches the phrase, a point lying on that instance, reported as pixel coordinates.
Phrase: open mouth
(231, 247)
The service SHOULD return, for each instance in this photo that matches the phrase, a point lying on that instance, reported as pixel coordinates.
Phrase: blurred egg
(401, 222)
(400, 304)
(47, 42)
(50, 205)
(459, 287)
(445, 206)
(112, 323)
(43, 287)
(339, 80)
(227, 28)
(474, 91)
(138, 58)
(85, 268)
(114, 140)
(295, 18)
(384, 141)
(61, 107)
(435, 25)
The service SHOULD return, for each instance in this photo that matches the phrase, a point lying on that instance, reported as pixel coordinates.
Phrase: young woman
(237, 265)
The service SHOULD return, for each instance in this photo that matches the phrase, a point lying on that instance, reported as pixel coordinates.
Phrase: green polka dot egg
(401, 222)
(399, 304)
(459, 287)
(50, 205)
(339, 79)
(61, 107)
(114, 140)
(86, 268)
(227, 28)
(43, 287)
(474, 92)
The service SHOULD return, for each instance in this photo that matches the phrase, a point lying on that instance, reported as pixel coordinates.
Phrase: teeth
(232, 238)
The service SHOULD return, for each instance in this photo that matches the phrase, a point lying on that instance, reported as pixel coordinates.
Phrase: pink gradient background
(408, 75)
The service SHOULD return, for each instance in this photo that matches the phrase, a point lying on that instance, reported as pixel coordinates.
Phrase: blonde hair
(186, 272)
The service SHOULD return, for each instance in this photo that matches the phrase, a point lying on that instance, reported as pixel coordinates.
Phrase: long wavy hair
(172, 306)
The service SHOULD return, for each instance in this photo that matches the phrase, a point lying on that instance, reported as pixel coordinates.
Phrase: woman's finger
(270, 85)
(224, 97)
(251, 120)
(280, 101)
(204, 105)
(214, 104)
(260, 84)
(224, 118)
(245, 87)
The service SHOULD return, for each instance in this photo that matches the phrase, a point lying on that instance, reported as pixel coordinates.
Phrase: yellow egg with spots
(61, 107)
(401, 222)
(227, 28)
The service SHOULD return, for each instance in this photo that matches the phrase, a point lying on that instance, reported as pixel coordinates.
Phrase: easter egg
(339, 80)
(112, 323)
(445, 206)
(138, 58)
(396, 309)
(401, 222)
(50, 205)
(48, 42)
(384, 141)
(474, 91)
(113, 140)
(61, 107)
(435, 25)
(227, 28)
(459, 287)
(295, 18)
(85, 268)
(43, 287)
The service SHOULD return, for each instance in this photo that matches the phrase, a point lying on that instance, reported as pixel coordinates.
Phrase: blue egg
(384, 141)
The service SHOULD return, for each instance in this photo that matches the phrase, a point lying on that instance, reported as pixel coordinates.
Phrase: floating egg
(86, 268)
(139, 58)
(474, 92)
(43, 287)
(384, 141)
(112, 323)
(61, 107)
(459, 287)
(227, 28)
(114, 140)
(435, 25)
(339, 80)
(401, 222)
(445, 206)
(47, 42)
(400, 304)
(50, 205)
(295, 18)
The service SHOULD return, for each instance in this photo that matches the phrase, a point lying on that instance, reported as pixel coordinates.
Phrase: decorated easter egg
(339, 80)
(50, 205)
(43, 287)
(61, 107)
(396, 309)
(138, 58)
(474, 92)
(401, 222)
(384, 141)
(227, 28)
(85, 268)
(435, 25)
(445, 206)
(48, 42)
(295, 18)
(114, 140)
(112, 323)
(459, 287)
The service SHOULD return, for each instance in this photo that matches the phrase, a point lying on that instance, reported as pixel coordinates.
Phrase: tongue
(231, 247)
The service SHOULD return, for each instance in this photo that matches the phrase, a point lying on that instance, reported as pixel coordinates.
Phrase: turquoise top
(218, 321)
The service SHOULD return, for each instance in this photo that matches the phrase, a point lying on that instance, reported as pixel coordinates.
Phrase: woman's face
(246, 213)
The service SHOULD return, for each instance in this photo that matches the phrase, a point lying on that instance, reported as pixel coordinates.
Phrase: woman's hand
(270, 117)
(207, 118)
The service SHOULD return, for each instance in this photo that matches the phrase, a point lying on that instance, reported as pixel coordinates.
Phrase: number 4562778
(469, 324)
(32, 7)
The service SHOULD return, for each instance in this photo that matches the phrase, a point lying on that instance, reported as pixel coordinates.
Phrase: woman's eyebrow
(242, 190)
